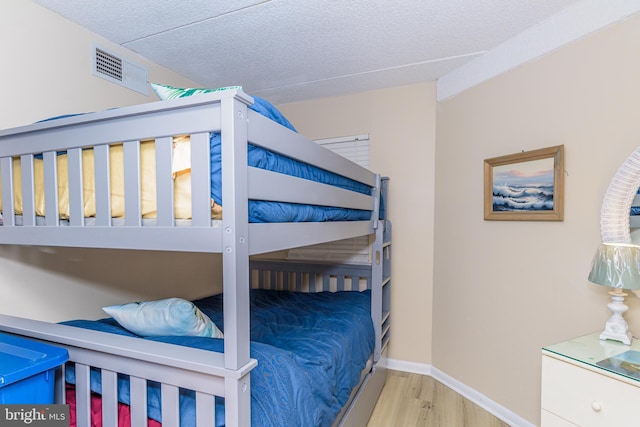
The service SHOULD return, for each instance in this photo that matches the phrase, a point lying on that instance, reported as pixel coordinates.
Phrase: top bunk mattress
(259, 211)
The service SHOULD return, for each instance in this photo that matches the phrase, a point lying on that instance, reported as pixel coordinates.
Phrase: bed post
(235, 256)
(376, 270)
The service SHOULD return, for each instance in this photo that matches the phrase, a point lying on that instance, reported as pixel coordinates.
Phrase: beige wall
(46, 71)
(46, 67)
(502, 290)
(401, 126)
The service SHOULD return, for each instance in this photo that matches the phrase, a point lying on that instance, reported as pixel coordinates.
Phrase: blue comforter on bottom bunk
(310, 348)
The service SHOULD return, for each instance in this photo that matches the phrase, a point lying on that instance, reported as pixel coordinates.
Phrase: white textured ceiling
(291, 50)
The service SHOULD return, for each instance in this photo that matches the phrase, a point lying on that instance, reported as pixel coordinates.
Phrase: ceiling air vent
(120, 71)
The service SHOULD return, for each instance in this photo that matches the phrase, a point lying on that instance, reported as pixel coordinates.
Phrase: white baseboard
(467, 392)
(416, 368)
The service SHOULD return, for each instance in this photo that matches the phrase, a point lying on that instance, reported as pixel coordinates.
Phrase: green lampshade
(616, 265)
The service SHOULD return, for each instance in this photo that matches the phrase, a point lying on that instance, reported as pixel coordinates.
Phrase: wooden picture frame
(527, 186)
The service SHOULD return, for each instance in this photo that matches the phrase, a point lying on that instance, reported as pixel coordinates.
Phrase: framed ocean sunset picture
(526, 186)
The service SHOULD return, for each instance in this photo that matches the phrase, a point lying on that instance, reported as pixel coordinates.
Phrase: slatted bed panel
(171, 365)
(308, 277)
(201, 187)
(205, 409)
(196, 117)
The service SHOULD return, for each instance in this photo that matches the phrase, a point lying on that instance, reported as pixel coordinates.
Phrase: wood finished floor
(409, 400)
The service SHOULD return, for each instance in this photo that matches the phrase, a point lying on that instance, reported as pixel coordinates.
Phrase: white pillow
(172, 316)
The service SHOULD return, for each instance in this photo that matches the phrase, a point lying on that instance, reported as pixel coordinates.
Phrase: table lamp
(616, 265)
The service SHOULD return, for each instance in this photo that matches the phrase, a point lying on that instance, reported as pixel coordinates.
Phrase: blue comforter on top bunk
(310, 348)
(261, 211)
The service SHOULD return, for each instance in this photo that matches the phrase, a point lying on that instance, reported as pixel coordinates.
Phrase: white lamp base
(616, 327)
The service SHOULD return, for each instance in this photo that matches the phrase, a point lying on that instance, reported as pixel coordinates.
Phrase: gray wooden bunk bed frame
(208, 374)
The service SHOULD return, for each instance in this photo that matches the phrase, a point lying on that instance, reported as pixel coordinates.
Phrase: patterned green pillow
(259, 105)
(165, 92)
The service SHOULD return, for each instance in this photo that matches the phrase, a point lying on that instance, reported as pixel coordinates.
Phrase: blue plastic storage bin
(27, 370)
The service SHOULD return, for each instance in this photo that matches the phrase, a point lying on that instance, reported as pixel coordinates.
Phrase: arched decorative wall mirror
(616, 223)
(616, 263)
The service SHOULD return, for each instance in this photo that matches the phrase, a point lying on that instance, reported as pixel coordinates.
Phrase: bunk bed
(102, 361)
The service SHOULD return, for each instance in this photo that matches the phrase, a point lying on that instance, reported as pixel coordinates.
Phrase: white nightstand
(588, 382)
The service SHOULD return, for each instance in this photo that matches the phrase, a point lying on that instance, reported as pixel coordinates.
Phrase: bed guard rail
(172, 366)
(36, 150)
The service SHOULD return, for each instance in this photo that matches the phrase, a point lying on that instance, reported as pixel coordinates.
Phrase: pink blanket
(124, 414)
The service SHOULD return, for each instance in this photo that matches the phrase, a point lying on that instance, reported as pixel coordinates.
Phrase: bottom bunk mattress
(311, 349)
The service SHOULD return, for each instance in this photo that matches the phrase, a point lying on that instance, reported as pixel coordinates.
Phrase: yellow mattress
(182, 182)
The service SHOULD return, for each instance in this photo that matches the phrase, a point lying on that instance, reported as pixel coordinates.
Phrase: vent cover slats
(108, 64)
(118, 70)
